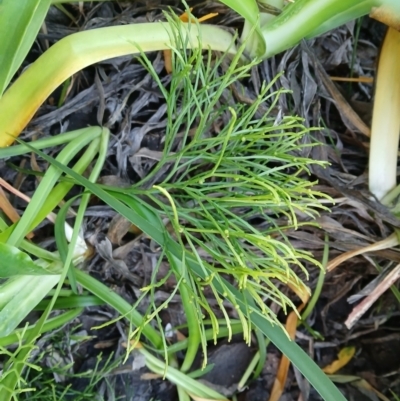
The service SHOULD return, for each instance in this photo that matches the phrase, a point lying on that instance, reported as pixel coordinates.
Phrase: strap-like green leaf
(13, 262)
(20, 22)
(249, 10)
(23, 301)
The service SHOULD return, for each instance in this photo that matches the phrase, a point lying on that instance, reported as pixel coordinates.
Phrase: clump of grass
(41, 383)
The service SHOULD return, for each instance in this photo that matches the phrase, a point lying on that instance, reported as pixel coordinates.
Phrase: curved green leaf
(308, 18)
(25, 300)
(20, 22)
(77, 51)
(248, 9)
(13, 262)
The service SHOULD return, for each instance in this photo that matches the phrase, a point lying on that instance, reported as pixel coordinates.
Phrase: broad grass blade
(20, 22)
(24, 301)
(248, 9)
(13, 262)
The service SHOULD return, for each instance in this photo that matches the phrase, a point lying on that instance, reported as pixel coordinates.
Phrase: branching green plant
(40, 381)
(211, 186)
(214, 185)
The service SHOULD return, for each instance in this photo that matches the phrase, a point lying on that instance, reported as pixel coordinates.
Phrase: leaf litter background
(132, 106)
